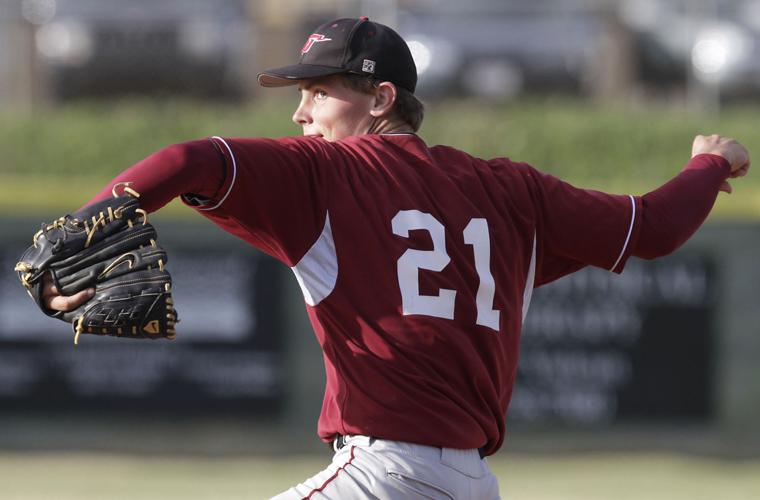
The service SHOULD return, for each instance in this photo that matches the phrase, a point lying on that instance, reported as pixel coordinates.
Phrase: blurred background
(644, 385)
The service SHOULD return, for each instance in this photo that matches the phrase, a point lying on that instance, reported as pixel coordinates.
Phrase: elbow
(176, 154)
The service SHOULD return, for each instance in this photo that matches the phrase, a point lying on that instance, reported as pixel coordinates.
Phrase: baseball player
(416, 262)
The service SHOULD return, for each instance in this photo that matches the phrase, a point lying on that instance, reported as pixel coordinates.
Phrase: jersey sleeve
(675, 210)
(274, 195)
(580, 227)
(188, 167)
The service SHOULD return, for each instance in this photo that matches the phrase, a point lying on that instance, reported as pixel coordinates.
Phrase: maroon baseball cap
(357, 46)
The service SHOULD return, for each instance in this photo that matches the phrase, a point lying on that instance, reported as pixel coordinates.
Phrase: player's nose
(301, 116)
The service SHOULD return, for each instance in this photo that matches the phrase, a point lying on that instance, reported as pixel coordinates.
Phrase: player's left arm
(190, 167)
(261, 190)
(196, 167)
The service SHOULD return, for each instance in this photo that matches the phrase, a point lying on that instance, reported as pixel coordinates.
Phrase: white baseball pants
(368, 468)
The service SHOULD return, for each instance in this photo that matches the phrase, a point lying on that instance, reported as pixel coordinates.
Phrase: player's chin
(327, 137)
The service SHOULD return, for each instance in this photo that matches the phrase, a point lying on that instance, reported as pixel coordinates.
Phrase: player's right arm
(578, 227)
(734, 152)
(674, 211)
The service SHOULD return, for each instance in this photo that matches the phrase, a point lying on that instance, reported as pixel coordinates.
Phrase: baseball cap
(357, 46)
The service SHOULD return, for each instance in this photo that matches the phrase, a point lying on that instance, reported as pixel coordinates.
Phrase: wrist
(708, 161)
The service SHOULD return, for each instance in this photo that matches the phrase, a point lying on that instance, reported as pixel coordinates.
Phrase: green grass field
(610, 476)
(56, 158)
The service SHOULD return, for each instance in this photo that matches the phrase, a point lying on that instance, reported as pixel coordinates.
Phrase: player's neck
(386, 125)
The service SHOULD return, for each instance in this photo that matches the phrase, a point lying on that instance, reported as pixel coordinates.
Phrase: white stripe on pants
(390, 470)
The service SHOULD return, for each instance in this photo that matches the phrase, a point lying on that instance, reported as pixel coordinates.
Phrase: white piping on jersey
(630, 230)
(528, 293)
(234, 175)
(317, 271)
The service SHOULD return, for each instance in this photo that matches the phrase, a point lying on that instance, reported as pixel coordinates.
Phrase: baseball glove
(109, 246)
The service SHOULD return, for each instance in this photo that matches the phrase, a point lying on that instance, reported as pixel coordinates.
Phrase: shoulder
(500, 166)
(303, 144)
(301, 149)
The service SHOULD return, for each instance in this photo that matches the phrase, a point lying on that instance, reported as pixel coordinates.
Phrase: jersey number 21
(409, 264)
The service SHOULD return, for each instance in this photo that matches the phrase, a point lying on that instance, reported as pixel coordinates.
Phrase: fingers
(698, 146)
(704, 144)
(52, 298)
(740, 172)
(734, 152)
(726, 187)
(70, 302)
(741, 157)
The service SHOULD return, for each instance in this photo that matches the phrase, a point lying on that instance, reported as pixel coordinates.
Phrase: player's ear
(385, 98)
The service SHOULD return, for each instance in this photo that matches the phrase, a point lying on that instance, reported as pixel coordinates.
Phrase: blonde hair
(407, 107)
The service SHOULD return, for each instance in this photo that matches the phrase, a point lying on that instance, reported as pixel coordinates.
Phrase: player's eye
(320, 94)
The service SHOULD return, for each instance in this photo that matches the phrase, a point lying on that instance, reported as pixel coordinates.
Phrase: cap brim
(291, 75)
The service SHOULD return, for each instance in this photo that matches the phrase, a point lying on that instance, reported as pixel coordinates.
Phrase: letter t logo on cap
(313, 38)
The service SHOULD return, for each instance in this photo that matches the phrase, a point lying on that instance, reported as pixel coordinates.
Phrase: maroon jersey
(417, 266)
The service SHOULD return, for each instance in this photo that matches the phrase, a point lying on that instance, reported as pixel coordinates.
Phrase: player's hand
(53, 300)
(734, 152)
